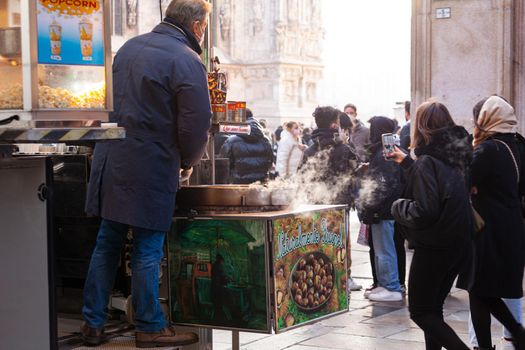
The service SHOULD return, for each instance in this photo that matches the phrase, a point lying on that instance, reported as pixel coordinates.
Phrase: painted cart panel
(309, 262)
(219, 274)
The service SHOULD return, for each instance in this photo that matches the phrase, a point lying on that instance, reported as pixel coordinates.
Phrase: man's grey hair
(186, 12)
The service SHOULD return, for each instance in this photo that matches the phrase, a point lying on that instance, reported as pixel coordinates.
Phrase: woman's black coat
(497, 269)
(434, 210)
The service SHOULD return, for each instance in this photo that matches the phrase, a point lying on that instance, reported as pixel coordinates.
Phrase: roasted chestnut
(312, 281)
(310, 299)
(309, 282)
(302, 264)
(289, 320)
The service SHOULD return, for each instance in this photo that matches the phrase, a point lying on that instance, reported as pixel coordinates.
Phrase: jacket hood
(380, 126)
(326, 137)
(256, 131)
(450, 145)
(372, 148)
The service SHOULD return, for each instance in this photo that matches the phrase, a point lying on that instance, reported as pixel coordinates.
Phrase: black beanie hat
(344, 121)
(380, 126)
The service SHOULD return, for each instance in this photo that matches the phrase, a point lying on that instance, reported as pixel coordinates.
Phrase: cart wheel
(130, 317)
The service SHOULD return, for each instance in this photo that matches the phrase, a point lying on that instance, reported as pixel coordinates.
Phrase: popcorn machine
(55, 59)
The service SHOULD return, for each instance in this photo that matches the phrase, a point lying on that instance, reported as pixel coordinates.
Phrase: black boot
(519, 340)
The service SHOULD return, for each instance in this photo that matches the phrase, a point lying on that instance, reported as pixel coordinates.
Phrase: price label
(235, 129)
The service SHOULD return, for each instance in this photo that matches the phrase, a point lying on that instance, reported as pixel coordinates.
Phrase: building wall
(271, 51)
(474, 53)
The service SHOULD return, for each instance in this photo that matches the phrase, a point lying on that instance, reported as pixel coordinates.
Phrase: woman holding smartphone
(434, 214)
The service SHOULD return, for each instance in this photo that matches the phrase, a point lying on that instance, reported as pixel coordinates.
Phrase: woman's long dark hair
(430, 117)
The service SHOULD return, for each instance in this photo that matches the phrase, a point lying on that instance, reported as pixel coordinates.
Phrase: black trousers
(432, 274)
(481, 308)
(399, 241)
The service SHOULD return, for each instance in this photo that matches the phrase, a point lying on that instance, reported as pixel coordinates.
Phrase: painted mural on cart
(309, 261)
(219, 274)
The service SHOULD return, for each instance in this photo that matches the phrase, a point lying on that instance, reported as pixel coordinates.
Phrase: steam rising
(322, 181)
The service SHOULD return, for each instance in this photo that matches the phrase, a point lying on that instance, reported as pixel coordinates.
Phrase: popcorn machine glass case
(57, 56)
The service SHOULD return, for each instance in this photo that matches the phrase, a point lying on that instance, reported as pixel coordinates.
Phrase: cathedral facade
(270, 49)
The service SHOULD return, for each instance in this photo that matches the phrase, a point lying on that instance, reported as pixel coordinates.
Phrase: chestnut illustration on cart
(311, 281)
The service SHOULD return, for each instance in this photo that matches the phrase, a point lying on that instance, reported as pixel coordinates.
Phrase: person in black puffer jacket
(435, 216)
(379, 188)
(251, 156)
(378, 208)
(329, 159)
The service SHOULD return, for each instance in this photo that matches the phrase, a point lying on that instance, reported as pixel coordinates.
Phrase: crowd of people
(455, 198)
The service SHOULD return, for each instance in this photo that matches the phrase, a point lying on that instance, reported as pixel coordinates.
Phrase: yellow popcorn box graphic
(55, 39)
(86, 38)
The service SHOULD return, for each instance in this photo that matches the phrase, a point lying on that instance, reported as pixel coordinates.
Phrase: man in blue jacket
(161, 98)
(251, 156)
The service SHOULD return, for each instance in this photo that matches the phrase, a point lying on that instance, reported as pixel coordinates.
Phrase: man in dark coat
(161, 98)
(251, 156)
(332, 160)
(360, 134)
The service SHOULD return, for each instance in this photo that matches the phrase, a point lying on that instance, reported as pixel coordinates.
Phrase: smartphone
(389, 142)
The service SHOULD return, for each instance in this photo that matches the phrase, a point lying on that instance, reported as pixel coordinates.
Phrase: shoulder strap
(513, 158)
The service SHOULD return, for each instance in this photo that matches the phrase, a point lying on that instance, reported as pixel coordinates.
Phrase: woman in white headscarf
(499, 248)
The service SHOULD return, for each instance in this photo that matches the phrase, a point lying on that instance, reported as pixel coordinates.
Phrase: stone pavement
(368, 325)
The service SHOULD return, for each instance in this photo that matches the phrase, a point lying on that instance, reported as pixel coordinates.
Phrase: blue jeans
(145, 264)
(514, 306)
(385, 255)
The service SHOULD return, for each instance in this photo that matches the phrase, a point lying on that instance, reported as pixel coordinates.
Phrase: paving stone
(410, 334)
(305, 347)
(359, 303)
(353, 342)
(371, 330)
(343, 320)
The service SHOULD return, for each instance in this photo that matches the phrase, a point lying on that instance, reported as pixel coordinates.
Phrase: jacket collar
(450, 145)
(326, 137)
(170, 27)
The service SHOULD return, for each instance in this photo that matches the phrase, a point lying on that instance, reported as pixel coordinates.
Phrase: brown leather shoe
(166, 337)
(92, 336)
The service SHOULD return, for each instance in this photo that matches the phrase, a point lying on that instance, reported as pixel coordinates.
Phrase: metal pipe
(235, 340)
(212, 157)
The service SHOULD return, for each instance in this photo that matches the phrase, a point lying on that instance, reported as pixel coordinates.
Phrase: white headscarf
(496, 116)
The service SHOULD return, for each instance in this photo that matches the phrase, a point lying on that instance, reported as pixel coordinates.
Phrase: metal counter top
(10, 135)
(268, 215)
